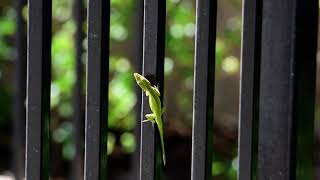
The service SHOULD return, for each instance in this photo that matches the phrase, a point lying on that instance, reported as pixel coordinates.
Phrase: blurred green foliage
(7, 29)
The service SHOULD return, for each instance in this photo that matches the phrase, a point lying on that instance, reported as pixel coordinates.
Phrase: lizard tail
(162, 147)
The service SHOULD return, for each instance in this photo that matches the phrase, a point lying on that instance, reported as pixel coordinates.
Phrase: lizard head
(142, 81)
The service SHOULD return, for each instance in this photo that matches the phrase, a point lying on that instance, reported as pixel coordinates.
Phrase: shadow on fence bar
(78, 97)
(18, 147)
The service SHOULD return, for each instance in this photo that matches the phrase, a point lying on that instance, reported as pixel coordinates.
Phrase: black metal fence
(276, 100)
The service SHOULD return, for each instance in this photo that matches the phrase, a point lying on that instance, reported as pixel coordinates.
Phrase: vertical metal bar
(78, 98)
(153, 67)
(288, 58)
(38, 90)
(305, 53)
(97, 82)
(249, 90)
(203, 89)
(20, 92)
(138, 56)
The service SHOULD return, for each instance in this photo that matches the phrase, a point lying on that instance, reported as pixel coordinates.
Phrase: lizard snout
(138, 77)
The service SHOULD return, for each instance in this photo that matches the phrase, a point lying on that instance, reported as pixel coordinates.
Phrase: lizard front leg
(151, 118)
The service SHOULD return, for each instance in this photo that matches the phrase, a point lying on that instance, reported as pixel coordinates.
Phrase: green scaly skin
(155, 106)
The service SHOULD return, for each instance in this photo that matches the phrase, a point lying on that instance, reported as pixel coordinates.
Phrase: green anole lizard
(155, 105)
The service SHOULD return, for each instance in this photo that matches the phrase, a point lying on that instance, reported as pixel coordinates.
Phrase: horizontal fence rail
(278, 71)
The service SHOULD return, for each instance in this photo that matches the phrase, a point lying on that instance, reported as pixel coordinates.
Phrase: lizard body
(155, 106)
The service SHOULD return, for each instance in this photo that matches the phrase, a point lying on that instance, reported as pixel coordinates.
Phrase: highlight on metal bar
(96, 123)
(38, 90)
(202, 140)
